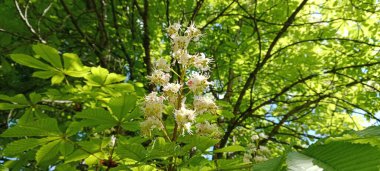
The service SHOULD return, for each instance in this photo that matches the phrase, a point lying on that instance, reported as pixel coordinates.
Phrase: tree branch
(120, 41)
(252, 76)
(24, 17)
(218, 16)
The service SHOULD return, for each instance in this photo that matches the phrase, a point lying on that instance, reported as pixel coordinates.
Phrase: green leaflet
(276, 164)
(48, 151)
(49, 54)
(19, 146)
(83, 150)
(9, 106)
(57, 78)
(97, 116)
(132, 151)
(66, 148)
(19, 99)
(231, 164)
(369, 132)
(123, 105)
(30, 62)
(35, 98)
(200, 142)
(72, 62)
(233, 148)
(76, 156)
(44, 74)
(100, 77)
(162, 149)
(328, 157)
(345, 156)
(41, 127)
(21, 161)
(298, 161)
(65, 167)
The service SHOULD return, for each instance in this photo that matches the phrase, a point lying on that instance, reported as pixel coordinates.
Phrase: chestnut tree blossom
(189, 80)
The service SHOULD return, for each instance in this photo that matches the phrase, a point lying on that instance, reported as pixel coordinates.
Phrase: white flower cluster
(173, 94)
(256, 154)
(204, 103)
(207, 129)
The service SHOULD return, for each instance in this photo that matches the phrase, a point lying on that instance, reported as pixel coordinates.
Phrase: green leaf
(58, 78)
(21, 161)
(131, 125)
(276, 164)
(9, 106)
(19, 99)
(123, 105)
(35, 98)
(65, 167)
(72, 61)
(19, 146)
(114, 78)
(47, 151)
(97, 116)
(337, 156)
(298, 161)
(73, 128)
(97, 77)
(369, 132)
(44, 74)
(202, 143)
(161, 148)
(73, 66)
(30, 62)
(49, 54)
(132, 151)
(233, 148)
(76, 156)
(66, 148)
(41, 127)
(232, 164)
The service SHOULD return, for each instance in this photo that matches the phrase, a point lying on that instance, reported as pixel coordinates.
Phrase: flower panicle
(191, 79)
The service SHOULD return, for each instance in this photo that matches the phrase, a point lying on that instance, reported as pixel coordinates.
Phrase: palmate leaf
(41, 127)
(51, 64)
(97, 77)
(100, 77)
